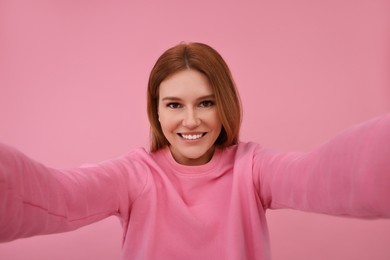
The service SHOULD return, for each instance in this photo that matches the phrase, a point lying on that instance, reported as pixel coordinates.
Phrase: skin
(188, 117)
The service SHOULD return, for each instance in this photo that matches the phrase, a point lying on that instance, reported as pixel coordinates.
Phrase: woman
(198, 193)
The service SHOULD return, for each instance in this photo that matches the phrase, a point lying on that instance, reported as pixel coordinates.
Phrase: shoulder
(133, 164)
(246, 148)
(141, 157)
(243, 152)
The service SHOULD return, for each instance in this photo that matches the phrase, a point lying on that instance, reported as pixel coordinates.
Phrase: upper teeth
(192, 137)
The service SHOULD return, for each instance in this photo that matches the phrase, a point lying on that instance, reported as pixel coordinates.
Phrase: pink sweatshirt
(212, 211)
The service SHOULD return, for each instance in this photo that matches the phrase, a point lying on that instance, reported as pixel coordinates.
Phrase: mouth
(192, 136)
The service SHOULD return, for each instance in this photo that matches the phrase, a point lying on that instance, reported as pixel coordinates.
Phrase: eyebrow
(211, 96)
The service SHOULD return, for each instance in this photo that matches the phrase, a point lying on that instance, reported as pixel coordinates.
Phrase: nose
(191, 119)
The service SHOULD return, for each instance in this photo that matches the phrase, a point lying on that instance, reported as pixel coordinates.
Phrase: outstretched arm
(35, 199)
(349, 175)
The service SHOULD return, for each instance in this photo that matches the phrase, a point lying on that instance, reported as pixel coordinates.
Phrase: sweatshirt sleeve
(35, 199)
(347, 176)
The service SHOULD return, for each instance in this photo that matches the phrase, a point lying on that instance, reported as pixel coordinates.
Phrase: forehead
(186, 83)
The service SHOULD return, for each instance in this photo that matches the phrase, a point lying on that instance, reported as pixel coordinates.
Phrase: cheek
(218, 126)
(165, 122)
(214, 120)
(162, 117)
(162, 122)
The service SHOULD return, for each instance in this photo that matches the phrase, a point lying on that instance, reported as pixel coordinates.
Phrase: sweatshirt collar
(196, 170)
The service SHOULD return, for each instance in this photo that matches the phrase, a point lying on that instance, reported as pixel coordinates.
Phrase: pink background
(73, 76)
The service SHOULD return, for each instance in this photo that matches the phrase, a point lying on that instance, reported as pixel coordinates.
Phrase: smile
(192, 137)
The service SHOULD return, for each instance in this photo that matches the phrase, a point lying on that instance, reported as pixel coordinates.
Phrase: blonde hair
(203, 58)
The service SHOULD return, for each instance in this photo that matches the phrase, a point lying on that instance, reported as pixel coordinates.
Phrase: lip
(192, 134)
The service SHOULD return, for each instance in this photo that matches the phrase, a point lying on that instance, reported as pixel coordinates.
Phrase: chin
(195, 157)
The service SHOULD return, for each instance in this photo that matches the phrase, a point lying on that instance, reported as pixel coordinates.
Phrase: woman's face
(188, 116)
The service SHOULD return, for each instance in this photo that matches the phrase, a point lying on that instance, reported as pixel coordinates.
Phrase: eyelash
(207, 103)
(173, 105)
(204, 104)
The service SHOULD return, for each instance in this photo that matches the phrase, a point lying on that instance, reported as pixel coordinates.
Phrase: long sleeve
(35, 199)
(347, 176)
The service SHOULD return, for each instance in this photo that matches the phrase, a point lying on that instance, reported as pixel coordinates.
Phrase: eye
(173, 105)
(207, 103)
